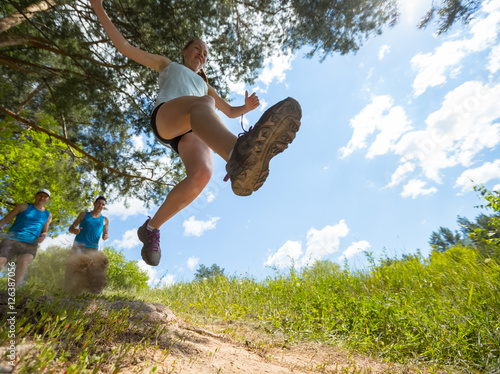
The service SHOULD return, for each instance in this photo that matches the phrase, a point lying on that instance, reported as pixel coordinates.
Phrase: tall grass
(443, 310)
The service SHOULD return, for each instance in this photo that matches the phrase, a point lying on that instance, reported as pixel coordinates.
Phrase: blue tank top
(28, 224)
(177, 80)
(91, 231)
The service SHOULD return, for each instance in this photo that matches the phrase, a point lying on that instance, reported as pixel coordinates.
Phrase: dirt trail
(228, 348)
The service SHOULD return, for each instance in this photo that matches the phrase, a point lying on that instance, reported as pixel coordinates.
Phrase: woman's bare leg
(198, 161)
(178, 116)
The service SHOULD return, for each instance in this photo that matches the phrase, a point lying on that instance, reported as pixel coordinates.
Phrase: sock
(151, 228)
(230, 153)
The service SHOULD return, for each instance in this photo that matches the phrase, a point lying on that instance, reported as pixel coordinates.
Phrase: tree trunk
(19, 17)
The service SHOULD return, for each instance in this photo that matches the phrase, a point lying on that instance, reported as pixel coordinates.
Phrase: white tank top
(176, 80)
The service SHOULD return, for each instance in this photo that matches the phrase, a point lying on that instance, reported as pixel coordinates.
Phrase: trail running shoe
(248, 166)
(151, 252)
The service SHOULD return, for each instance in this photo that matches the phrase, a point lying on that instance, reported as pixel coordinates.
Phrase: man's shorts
(11, 248)
(82, 250)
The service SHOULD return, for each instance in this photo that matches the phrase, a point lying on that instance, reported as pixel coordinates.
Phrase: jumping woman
(184, 119)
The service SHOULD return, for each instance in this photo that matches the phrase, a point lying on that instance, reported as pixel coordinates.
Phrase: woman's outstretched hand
(252, 101)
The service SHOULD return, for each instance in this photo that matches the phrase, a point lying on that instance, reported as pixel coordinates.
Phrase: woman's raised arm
(149, 60)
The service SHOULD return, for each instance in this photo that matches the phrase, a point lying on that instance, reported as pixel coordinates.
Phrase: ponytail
(202, 74)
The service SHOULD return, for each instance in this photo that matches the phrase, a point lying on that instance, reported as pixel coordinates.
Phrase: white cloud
(321, 243)
(457, 132)
(137, 142)
(275, 68)
(381, 117)
(167, 280)
(197, 228)
(415, 188)
(287, 255)
(433, 68)
(465, 125)
(192, 262)
(210, 196)
(400, 174)
(123, 210)
(237, 88)
(263, 104)
(64, 240)
(151, 272)
(354, 249)
(129, 240)
(383, 51)
(155, 279)
(494, 59)
(478, 176)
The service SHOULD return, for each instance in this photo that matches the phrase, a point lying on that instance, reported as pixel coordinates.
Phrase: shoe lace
(226, 178)
(154, 239)
(243, 128)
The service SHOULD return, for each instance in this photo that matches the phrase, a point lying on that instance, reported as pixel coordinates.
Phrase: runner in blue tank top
(28, 230)
(89, 226)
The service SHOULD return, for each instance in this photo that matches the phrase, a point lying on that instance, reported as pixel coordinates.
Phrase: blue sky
(391, 138)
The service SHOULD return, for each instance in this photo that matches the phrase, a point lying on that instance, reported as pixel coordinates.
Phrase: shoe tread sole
(273, 133)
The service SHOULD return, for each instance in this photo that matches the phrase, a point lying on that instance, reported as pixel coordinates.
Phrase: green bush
(123, 274)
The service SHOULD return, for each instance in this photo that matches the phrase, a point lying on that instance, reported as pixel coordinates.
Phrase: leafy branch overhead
(56, 62)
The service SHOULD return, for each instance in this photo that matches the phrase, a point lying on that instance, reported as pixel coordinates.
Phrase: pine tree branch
(17, 64)
(36, 127)
(16, 39)
(30, 97)
(19, 17)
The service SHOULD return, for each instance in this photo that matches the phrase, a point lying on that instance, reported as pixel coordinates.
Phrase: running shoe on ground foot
(151, 252)
(248, 166)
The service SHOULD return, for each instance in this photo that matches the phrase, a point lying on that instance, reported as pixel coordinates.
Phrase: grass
(440, 311)
(444, 310)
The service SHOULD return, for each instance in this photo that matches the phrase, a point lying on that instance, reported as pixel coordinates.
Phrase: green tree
(123, 274)
(483, 235)
(449, 12)
(62, 77)
(444, 239)
(486, 235)
(31, 160)
(204, 272)
(57, 63)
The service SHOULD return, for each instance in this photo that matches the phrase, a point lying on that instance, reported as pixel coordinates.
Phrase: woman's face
(195, 55)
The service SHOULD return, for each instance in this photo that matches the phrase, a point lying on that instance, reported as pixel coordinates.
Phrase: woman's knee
(204, 102)
(200, 176)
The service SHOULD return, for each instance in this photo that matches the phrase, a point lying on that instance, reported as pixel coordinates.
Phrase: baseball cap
(44, 191)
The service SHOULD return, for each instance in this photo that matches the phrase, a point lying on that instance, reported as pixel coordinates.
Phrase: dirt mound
(225, 347)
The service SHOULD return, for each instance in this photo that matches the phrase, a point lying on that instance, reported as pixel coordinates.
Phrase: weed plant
(442, 310)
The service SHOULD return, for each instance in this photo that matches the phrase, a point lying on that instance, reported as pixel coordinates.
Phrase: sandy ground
(225, 347)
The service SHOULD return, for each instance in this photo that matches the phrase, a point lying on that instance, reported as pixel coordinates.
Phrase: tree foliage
(62, 77)
(483, 234)
(450, 12)
(444, 239)
(31, 160)
(123, 274)
(204, 272)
